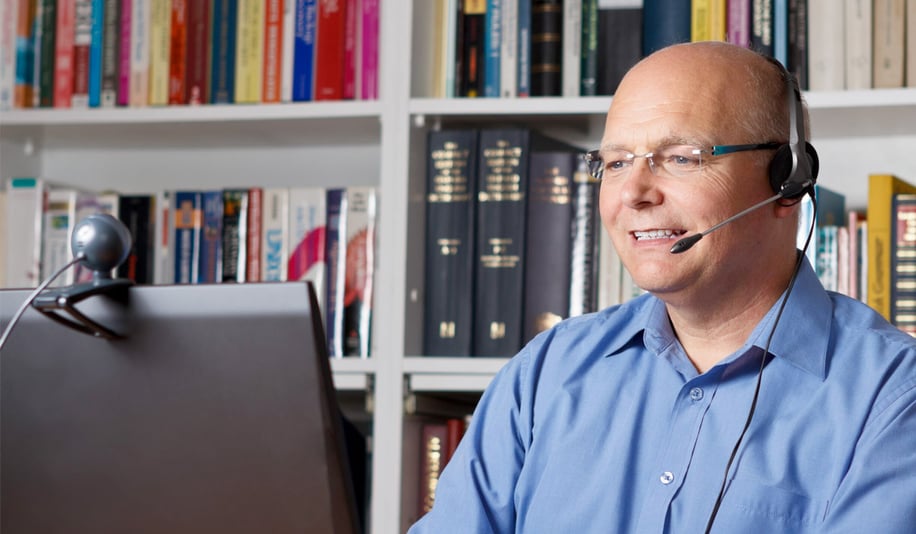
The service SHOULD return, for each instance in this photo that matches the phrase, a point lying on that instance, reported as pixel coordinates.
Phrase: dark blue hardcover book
(187, 216)
(665, 22)
(336, 256)
(492, 48)
(451, 188)
(211, 238)
(524, 48)
(222, 52)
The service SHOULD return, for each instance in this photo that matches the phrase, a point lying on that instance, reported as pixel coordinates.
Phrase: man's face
(662, 104)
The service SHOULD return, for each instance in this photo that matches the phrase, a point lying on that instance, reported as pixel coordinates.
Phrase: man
(632, 420)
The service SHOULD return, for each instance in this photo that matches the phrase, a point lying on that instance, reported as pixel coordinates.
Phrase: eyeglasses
(674, 160)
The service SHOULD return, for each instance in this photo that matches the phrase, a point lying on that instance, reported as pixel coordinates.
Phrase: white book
(163, 270)
(889, 43)
(858, 44)
(307, 238)
(451, 42)
(610, 272)
(60, 217)
(911, 43)
(275, 234)
(8, 18)
(572, 48)
(139, 52)
(427, 35)
(286, 50)
(826, 45)
(359, 270)
(508, 77)
(24, 218)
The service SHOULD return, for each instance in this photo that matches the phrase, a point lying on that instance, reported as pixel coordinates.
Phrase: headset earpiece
(793, 170)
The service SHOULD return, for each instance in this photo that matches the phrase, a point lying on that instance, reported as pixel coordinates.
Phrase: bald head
(744, 90)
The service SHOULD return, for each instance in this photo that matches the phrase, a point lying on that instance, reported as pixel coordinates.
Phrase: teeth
(656, 234)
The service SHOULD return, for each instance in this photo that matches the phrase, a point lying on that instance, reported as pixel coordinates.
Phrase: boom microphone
(684, 244)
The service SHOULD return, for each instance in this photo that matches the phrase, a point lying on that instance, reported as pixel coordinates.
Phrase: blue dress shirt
(602, 424)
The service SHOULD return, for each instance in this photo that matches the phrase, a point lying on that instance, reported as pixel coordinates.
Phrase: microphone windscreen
(102, 240)
(686, 243)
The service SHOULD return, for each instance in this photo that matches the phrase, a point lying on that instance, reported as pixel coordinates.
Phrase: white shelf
(353, 374)
(429, 374)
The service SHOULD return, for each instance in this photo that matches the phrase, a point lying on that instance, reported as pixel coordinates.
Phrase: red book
(273, 51)
(329, 56)
(178, 53)
(253, 237)
(82, 39)
(196, 86)
(351, 48)
(63, 54)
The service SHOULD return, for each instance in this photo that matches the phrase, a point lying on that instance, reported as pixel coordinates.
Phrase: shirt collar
(801, 337)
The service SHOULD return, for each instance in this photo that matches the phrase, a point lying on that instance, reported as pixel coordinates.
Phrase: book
(178, 52)
(881, 191)
(910, 43)
(586, 224)
(738, 24)
(831, 211)
(493, 27)
(210, 270)
(45, 46)
(451, 184)
(64, 54)
(139, 52)
(359, 270)
(253, 234)
(571, 77)
(546, 48)
(111, 35)
(8, 27)
(25, 55)
(197, 87)
(762, 26)
(508, 60)
(160, 33)
(249, 50)
(858, 44)
(889, 43)
(352, 17)
(137, 212)
(25, 199)
(275, 234)
(523, 55)
(329, 49)
(307, 238)
(187, 214)
(619, 43)
(82, 41)
(826, 57)
(549, 221)
(903, 263)
(234, 234)
(59, 218)
(369, 61)
(610, 272)
(271, 76)
(163, 255)
(222, 51)
(433, 445)
(665, 22)
(303, 82)
(471, 49)
(123, 52)
(288, 31)
(798, 41)
(336, 258)
(588, 84)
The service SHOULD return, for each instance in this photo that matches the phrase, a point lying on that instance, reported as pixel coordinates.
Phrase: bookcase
(382, 143)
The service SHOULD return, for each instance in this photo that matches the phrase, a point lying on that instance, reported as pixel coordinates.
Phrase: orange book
(178, 52)
(23, 88)
(273, 50)
(329, 54)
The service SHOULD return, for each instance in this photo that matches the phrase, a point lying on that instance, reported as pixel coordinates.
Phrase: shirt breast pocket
(752, 506)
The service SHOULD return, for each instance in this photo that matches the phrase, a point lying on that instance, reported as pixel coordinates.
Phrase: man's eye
(617, 164)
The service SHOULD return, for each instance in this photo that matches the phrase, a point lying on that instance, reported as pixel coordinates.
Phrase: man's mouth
(662, 233)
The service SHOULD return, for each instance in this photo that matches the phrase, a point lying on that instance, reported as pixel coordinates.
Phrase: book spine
(307, 238)
(858, 43)
(275, 231)
(273, 51)
(492, 43)
(96, 53)
(359, 271)
(140, 52)
(137, 214)
(434, 436)
(549, 220)
(352, 17)
(82, 41)
(738, 26)
(523, 76)
(222, 52)
(122, 95)
(571, 63)
(589, 63)
(781, 31)
(336, 254)
(235, 226)
(499, 271)
(888, 43)
(304, 50)
(329, 50)
(666, 22)
(178, 52)
(164, 241)
(762, 26)
(197, 85)
(881, 188)
(451, 184)
(369, 51)
(254, 234)
(160, 40)
(910, 32)
(59, 217)
(46, 58)
(903, 264)
(8, 29)
(63, 54)
(288, 36)
(583, 285)
(188, 222)
(25, 55)
(473, 48)
(619, 41)
(34, 65)
(798, 41)
(508, 72)
(25, 202)
(249, 61)
(111, 30)
(546, 47)
(211, 238)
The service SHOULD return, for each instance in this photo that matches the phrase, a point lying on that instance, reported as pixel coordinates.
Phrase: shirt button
(666, 478)
(696, 394)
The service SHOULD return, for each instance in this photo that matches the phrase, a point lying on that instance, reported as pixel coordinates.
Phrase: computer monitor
(215, 413)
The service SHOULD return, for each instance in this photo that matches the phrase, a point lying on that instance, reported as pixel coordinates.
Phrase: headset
(793, 170)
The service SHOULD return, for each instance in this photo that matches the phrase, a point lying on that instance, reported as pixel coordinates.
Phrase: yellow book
(249, 46)
(881, 191)
(700, 20)
(717, 24)
(160, 40)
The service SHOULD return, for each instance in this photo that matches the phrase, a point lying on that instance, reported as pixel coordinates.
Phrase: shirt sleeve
(878, 493)
(476, 490)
